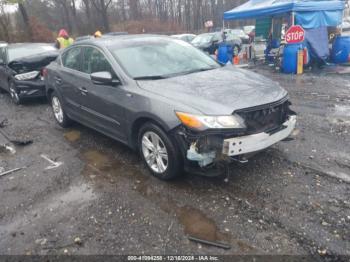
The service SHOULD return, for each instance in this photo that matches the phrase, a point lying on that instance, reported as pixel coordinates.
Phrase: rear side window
(95, 61)
(72, 58)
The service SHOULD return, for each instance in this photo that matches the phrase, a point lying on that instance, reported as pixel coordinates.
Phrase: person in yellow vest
(63, 40)
(98, 34)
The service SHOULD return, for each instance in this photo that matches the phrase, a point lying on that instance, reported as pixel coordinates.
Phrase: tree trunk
(26, 21)
(105, 21)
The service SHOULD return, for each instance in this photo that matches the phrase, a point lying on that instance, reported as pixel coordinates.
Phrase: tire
(14, 93)
(166, 152)
(60, 116)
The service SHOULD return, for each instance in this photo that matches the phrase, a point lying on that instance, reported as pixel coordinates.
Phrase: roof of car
(179, 35)
(111, 40)
(19, 45)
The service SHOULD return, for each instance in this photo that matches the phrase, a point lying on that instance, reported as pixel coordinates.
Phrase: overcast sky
(11, 8)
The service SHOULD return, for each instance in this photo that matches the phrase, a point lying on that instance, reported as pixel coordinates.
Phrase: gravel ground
(293, 199)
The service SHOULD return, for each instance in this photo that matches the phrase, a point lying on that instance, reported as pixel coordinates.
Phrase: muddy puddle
(342, 111)
(72, 136)
(77, 195)
(195, 223)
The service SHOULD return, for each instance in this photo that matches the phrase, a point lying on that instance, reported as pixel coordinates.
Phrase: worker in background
(63, 40)
(98, 34)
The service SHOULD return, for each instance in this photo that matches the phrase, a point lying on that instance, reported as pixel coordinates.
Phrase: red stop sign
(295, 34)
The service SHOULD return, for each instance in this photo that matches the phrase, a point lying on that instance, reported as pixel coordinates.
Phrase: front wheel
(159, 153)
(14, 94)
(58, 111)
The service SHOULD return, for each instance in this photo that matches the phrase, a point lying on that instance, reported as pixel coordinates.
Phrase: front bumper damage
(30, 88)
(255, 143)
(206, 153)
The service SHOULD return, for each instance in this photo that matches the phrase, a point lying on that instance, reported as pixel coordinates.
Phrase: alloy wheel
(14, 94)
(57, 109)
(155, 152)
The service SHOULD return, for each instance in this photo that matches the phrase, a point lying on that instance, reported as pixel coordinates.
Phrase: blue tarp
(317, 43)
(309, 13)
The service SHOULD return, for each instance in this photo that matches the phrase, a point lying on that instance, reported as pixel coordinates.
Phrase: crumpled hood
(218, 92)
(31, 63)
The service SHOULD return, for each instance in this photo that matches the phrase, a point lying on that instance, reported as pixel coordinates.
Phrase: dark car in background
(22, 67)
(168, 100)
(210, 42)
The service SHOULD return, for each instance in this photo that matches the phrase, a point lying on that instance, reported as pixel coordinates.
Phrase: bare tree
(5, 23)
(102, 8)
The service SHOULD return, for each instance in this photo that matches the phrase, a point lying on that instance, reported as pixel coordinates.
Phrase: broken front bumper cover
(30, 88)
(254, 143)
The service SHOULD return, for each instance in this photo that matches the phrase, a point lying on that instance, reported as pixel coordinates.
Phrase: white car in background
(185, 37)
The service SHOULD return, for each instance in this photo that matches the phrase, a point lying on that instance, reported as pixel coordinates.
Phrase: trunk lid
(33, 63)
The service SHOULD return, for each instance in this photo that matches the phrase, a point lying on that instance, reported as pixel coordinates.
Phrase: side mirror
(104, 78)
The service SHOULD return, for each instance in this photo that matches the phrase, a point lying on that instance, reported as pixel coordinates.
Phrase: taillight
(44, 72)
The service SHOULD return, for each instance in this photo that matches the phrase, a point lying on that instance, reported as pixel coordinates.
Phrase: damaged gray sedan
(22, 69)
(171, 102)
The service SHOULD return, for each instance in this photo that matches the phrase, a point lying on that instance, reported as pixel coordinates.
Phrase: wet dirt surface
(292, 199)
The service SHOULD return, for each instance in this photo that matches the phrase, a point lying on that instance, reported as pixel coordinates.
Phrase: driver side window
(94, 61)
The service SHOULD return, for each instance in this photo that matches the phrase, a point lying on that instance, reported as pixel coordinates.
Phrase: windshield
(29, 50)
(203, 39)
(161, 58)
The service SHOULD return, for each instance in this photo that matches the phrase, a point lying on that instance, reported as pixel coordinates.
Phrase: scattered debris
(41, 241)
(53, 163)
(210, 243)
(322, 252)
(15, 141)
(171, 226)
(7, 148)
(324, 223)
(78, 241)
(11, 171)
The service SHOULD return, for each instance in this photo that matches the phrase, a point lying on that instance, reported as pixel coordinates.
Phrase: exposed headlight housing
(27, 76)
(202, 123)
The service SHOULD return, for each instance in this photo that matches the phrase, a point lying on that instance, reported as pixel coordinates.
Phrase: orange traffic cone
(236, 60)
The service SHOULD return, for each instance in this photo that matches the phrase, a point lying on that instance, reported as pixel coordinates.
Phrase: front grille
(265, 118)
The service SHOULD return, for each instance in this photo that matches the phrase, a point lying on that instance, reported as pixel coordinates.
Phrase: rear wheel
(14, 94)
(159, 152)
(58, 111)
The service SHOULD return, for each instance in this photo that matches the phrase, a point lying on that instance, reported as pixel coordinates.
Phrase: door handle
(58, 80)
(83, 91)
